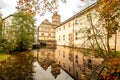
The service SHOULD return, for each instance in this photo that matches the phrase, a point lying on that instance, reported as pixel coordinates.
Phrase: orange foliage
(114, 67)
(26, 0)
(107, 4)
(38, 6)
(43, 6)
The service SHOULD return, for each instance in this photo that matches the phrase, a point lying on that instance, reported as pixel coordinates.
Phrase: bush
(7, 46)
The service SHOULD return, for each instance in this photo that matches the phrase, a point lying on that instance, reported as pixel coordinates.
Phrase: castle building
(72, 32)
(46, 30)
(69, 32)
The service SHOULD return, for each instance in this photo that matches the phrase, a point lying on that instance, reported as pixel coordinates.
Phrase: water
(60, 63)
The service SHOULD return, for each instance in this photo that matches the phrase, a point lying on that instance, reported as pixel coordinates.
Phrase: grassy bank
(3, 56)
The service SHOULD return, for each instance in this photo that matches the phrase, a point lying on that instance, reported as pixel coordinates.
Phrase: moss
(3, 56)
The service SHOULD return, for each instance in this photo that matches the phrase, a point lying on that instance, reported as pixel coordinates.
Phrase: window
(69, 69)
(49, 34)
(59, 29)
(59, 38)
(76, 38)
(64, 27)
(69, 25)
(42, 34)
(76, 33)
(59, 62)
(63, 54)
(69, 36)
(76, 22)
(64, 65)
(63, 37)
(76, 58)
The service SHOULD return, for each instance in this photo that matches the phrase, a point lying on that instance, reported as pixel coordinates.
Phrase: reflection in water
(62, 63)
(19, 67)
(74, 62)
(50, 69)
(46, 58)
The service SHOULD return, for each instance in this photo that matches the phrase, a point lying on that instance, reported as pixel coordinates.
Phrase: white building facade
(72, 31)
(6, 30)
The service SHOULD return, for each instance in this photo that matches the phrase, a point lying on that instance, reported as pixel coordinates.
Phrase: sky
(66, 10)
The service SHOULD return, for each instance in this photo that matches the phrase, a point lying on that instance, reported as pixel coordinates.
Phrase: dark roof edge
(80, 12)
(7, 17)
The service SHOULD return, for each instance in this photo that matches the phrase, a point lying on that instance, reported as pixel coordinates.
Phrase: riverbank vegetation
(20, 35)
(100, 36)
(22, 30)
(3, 56)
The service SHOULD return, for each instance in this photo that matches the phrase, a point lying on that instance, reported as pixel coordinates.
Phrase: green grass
(3, 56)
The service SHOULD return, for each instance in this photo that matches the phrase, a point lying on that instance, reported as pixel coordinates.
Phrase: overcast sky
(65, 10)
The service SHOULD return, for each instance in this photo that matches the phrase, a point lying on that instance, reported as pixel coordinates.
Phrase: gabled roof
(7, 17)
(46, 21)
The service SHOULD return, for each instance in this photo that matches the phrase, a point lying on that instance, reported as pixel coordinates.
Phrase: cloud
(7, 4)
(7, 7)
(2, 4)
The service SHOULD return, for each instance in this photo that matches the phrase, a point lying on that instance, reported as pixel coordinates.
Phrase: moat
(60, 63)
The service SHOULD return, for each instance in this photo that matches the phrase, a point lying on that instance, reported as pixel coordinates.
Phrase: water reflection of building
(46, 58)
(75, 63)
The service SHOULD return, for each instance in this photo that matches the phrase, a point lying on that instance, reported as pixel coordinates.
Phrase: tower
(56, 19)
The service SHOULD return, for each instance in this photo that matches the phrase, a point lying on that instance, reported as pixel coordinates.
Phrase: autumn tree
(110, 14)
(100, 35)
(40, 7)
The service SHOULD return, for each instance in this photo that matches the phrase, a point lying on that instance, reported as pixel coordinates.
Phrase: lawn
(3, 56)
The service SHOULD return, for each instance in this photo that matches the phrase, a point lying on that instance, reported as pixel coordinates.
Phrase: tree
(23, 31)
(99, 36)
(0, 26)
(111, 16)
(32, 7)
(109, 19)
